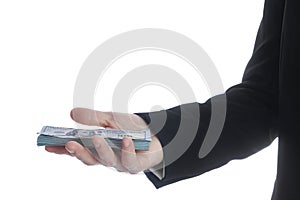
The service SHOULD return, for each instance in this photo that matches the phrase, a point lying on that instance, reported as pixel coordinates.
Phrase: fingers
(106, 155)
(128, 158)
(57, 150)
(81, 153)
(74, 149)
(91, 117)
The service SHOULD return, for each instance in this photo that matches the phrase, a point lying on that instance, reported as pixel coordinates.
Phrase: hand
(129, 159)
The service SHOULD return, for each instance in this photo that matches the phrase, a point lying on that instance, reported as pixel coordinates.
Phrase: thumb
(90, 117)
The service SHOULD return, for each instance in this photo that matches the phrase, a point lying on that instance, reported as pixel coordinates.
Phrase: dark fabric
(264, 106)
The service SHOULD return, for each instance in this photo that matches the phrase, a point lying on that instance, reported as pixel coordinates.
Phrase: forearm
(247, 129)
(251, 110)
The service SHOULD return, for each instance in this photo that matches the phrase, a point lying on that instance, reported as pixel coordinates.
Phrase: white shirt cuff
(159, 170)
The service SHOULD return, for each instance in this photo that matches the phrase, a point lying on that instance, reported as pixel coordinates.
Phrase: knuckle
(125, 164)
(120, 169)
(89, 163)
(131, 168)
(77, 155)
(107, 120)
(108, 163)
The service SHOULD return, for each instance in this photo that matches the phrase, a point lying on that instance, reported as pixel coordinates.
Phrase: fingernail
(97, 144)
(126, 143)
(69, 150)
(71, 114)
(96, 141)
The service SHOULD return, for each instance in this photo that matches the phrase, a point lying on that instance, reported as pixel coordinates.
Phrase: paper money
(59, 136)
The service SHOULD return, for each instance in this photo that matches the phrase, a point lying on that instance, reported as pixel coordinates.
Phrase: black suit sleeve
(250, 114)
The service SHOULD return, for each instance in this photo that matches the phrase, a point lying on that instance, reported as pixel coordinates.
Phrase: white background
(42, 47)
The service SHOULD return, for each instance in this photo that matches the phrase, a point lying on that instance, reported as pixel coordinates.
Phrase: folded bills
(59, 136)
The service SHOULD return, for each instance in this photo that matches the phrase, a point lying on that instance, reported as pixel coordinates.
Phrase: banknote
(59, 136)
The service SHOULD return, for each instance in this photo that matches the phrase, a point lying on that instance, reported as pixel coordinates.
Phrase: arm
(251, 111)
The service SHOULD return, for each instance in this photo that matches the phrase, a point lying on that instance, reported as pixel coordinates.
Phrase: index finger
(90, 117)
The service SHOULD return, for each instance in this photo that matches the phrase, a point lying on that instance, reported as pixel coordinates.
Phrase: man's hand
(129, 159)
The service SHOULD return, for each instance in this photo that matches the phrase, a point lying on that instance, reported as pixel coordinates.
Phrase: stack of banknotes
(59, 136)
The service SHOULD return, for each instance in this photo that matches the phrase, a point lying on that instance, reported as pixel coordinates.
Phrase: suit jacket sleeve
(250, 114)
